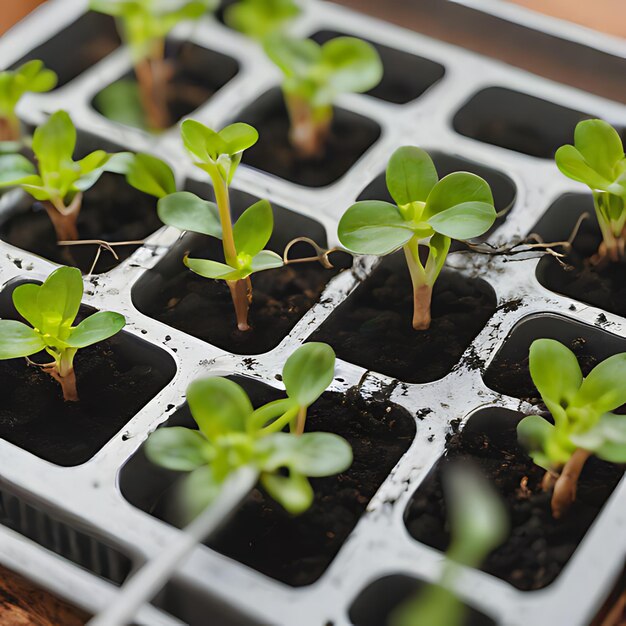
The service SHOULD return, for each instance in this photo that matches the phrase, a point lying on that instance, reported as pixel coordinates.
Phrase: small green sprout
(219, 154)
(427, 212)
(144, 25)
(583, 422)
(260, 18)
(232, 435)
(479, 524)
(314, 76)
(51, 309)
(31, 77)
(597, 160)
(58, 182)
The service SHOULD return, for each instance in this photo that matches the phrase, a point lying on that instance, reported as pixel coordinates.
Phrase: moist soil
(538, 546)
(113, 387)
(112, 211)
(204, 308)
(261, 534)
(372, 328)
(351, 135)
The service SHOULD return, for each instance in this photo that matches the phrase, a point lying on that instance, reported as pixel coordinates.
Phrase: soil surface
(538, 546)
(372, 328)
(115, 378)
(296, 550)
(351, 136)
(112, 211)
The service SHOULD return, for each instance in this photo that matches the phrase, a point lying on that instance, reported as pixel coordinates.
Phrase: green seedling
(261, 18)
(51, 309)
(219, 154)
(57, 181)
(597, 160)
(428, 212)
(31, 77)
(583, 422)
(314, 76)
(232, 435)
(144, 25)
(479, 524)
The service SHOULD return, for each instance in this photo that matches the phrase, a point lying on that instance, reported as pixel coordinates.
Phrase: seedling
(260, 18)
(597, 160)
(219, 154)
(581, 410)
(31, 77)
(232, 435)
(144, 25)
(479, 524)
(314, 76)
(58, 182)
(428, 212)
(51, 309)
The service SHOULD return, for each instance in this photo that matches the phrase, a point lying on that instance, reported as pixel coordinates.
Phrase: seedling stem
(310, 126)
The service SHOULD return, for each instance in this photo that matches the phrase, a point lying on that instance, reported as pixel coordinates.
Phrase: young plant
(219, 154)
(58, 182)
(260, 18)
(428, 212)
(597, 160)
(30, 77)
(314, 76)
(144, 25)
(51, 309)
(232, 435)
(581, 410)
(479, 524)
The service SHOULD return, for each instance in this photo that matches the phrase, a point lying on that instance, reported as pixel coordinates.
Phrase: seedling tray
(80, 530)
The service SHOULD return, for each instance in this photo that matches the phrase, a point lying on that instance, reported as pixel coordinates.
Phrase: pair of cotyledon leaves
(260, 18)
(459, 206)
(581, 407)
(57, 175)
(231, 435)
(32, 76)
(51, 309)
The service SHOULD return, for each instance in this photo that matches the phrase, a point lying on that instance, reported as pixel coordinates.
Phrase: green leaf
(254, 228)
(25, 299)
(260, 18)
(265, 260)
(212, 269)
(199, 490)
(373, 227)
(295, 57)
(294, 492)
(610, 428)
(202, 142)
(18, 340)
(612, 452)
(178, 448)
(478, 518)
(54, 142)
(354, 65)
(572, 163)
(185, 211)
(534, 432)
(433, 606)
(121, 102)
(239, 137)
(438, 248)
(465, 220)
(457, 188)
(555, 371)
(59, 299)
(320, 454)
(219, 406)
(95, 328)
(16, 169)
(411, 175)
(308, 372)
(151, 175)
(600, 145)
(605, 387)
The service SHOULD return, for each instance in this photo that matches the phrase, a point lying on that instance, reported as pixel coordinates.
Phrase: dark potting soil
(197, 73)
(112, 211)
(372, 328)
(376, 603)
(351, 136)
(538, 546)
(603, 285)
(115, 380)
(295, 550)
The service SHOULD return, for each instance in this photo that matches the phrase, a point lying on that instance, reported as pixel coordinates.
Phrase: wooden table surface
(23, 604)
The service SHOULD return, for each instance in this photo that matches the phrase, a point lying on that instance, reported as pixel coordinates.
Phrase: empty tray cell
(261, 534)
(406, 76)
(508, 372)
(77, 47)
(601, 285)
(517, 121)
